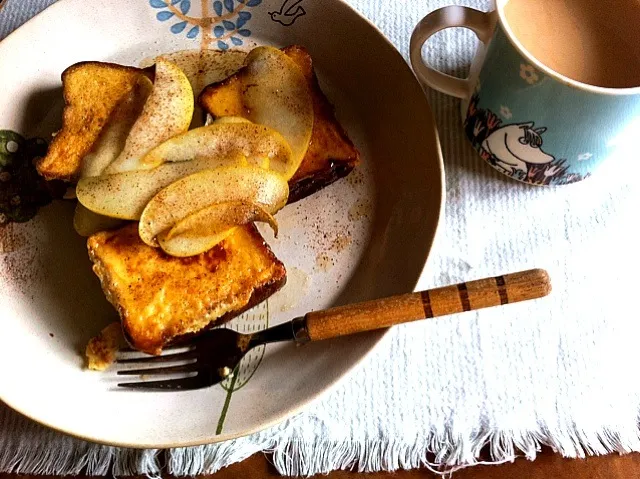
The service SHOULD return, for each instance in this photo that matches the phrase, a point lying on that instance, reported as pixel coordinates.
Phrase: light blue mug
(523, 118)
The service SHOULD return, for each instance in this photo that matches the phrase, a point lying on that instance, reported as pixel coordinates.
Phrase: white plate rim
(382, 334)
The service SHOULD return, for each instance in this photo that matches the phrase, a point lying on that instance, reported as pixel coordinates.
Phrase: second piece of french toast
(331, 154)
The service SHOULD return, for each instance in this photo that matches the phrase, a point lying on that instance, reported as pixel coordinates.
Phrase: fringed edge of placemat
(443, 453)
(28, 448)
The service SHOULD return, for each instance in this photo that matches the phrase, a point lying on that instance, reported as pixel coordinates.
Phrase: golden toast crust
(162, 298)
(91, 91)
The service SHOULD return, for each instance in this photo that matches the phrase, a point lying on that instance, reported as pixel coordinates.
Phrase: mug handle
(481, 23)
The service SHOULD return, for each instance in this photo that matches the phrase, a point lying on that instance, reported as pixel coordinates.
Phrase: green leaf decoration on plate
(253, 320)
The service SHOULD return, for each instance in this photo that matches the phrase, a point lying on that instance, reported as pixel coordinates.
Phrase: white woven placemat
(558, 372)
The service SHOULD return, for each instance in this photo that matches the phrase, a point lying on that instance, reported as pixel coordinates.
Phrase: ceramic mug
(525, 119)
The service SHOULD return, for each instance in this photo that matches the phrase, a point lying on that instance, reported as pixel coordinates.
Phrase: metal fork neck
(295, 330)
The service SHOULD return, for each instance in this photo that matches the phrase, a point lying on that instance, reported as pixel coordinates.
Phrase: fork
(216, 354)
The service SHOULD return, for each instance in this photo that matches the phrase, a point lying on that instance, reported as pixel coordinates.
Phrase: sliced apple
(125, 195)
(273, 92)
(229, 138)
(109, 145)
(204, 67)
(266, 161)
(204, 229)
(185, 246)
(86, 222)
(225, 119)
(231, 119)
(167, 113)
(222, 216)
(114, 134)
(205, 188)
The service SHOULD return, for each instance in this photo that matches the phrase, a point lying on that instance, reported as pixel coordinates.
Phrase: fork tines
(192, 380)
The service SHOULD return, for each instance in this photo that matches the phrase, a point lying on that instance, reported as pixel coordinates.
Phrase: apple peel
(206, 228)
(167, 113)
(125, 195)
(205, 188)
(236, 137)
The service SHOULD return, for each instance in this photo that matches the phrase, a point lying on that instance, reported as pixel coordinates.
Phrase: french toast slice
(92, 91)
(331, 154)
(162, 299)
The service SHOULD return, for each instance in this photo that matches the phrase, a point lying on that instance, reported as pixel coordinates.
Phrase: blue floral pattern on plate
(223, 22)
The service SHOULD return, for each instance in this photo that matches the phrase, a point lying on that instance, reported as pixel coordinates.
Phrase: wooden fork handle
(383, 313)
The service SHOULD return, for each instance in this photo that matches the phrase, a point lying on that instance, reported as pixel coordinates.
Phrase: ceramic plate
(366, 236)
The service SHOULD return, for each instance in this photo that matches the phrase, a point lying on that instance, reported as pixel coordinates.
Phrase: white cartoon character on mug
(515, 146)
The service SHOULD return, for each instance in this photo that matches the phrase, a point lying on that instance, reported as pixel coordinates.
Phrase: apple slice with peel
(86, 222)
(204, 67)
(277, 95)
(273, 92)
(167, 113)
(125, 195)
(206, 228)
(114, 134)
(222, 216)
(205, 188)
(230, 138)
(231, 119)
(225, 119)
(109, 145)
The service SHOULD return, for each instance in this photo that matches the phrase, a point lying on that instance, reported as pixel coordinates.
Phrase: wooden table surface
(546, 466)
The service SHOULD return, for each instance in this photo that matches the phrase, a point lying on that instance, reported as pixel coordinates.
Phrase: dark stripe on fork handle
(426, 304)
(464, 297)
(502, 290)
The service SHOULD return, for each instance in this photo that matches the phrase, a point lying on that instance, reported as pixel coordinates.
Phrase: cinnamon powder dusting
(360, 209)
(18, 258)
(11, 239)
(324, 262)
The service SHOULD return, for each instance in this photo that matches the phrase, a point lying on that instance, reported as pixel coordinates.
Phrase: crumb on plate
(101, 350)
